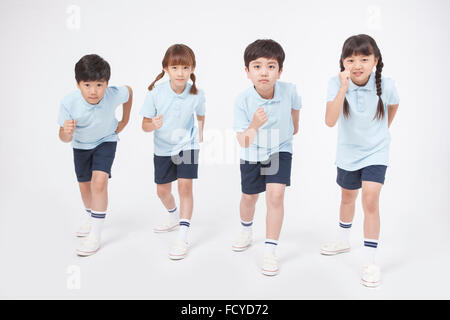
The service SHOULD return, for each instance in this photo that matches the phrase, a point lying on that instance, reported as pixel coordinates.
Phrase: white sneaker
(169, 224)
(371, 275)
(88, 246)
(84, 229)
(270, 265)
(334, 247)
(242, 241)
(178, 250)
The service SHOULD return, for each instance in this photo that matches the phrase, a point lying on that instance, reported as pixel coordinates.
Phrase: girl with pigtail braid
(358, 100)
(169, 111)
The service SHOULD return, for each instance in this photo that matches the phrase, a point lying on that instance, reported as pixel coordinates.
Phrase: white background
(40, 203)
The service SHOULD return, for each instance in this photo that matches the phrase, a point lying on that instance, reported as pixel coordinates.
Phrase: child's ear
(78, 85)
(247, 71)
(279, 73)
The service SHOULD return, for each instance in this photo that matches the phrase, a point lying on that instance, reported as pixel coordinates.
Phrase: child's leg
(164, 192)
(347, 209)
(86, 196)
(186, 198)
(370, 201)
(99, 202)
(275, 209)
(247, 206)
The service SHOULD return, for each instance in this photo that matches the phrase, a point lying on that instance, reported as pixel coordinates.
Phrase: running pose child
(266, 117)
(365, 104)
(169, 110)
(87, 118)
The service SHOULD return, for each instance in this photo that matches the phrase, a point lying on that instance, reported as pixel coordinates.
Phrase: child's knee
(349, 196)
(370, 203)
(162, 192)
(249, 198)
(99, 183)
(275, 199)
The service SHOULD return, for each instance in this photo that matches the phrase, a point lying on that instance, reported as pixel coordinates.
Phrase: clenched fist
(69, 126)
(259, 118)
(344, 77)
(158, 121)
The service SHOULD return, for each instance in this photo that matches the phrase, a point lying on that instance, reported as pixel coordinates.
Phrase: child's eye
(272, 67)
(256, 67)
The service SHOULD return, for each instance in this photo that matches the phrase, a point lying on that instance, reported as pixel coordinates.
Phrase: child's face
(263, 72)
(179, 75)
(92, 91)
(360, 67)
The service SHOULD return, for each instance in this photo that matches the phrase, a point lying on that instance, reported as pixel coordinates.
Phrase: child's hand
(69, 127)
(158, 121)
(259, 118)
(344, 77)
(120, 126)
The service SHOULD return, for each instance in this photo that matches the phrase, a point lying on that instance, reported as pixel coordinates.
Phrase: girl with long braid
(169, 110)
(364, 104)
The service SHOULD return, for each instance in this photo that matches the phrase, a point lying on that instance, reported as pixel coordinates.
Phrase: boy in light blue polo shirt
(87, 119)
(266, 117)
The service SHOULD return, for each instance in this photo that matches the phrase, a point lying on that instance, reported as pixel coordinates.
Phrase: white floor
(38, 250)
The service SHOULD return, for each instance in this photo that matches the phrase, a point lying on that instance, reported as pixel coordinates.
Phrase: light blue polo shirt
(276, 134)
(179, 131)
(95, 123)
(363, 141)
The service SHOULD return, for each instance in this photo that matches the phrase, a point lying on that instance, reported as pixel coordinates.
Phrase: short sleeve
(119, 95)
(392, 97)
(148, 110)
(200, 108)
(333, 88)
(241, 121)
(296, 100)
(63, 115)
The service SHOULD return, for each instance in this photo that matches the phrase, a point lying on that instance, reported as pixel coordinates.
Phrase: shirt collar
(183, 95)
(276, 94)
(369, 86)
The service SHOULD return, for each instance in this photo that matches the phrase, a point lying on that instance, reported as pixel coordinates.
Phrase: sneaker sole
(80, 234)
(370, 284)
(86, 253)
(238, 249)
(166, 230)
(269, 273)
(332, 253)
(177, 257)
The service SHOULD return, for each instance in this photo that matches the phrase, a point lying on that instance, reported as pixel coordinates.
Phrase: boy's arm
(126, 111)
(201, 125)
(247, 137)
(66, 132)
(295, 119)
(392, 110)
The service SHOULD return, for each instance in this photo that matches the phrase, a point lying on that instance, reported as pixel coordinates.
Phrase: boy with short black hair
(266, 117)
(87, 119)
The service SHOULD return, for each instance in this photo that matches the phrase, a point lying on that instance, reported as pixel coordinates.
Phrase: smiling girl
(169, 110)
(365, 104)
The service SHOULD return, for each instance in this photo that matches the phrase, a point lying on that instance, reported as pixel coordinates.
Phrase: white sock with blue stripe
(98, 218)
(270, 245)
(86, 216)
(247, 225)
(344, 230)
(370, 250)
(173, 213)
(184, 229)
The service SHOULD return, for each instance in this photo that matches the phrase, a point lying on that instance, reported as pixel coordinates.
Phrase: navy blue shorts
(277, 169)
(183, 165)
(100, 158)
(352, 180)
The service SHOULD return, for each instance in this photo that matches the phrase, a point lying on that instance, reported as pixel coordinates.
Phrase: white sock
(86, 216)
(98, 218)
(174, 213)
(247, 225)
(370, 250)
(344, 230)
(270, 246)
(184, 229)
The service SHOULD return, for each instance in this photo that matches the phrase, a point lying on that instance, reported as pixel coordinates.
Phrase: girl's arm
(392, 110)
(334, 108)
(295, 119)
(126, 111)
(201, 125)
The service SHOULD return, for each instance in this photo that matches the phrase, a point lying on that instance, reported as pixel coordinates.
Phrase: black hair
(363, 44)
(92, 67)
(264, 48)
